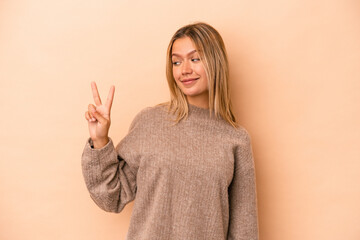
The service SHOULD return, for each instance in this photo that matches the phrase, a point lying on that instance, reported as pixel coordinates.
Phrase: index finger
(110, 98)
(95, 94)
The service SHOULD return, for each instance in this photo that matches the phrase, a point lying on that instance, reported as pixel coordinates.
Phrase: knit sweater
(191, 181)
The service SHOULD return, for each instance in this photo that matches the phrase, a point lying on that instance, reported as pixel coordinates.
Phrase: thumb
(99, 117)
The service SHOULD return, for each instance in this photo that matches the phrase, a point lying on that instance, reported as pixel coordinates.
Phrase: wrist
(100, 143)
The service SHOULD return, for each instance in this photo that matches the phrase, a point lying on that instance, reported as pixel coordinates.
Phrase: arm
(243, 222)
(110, 180)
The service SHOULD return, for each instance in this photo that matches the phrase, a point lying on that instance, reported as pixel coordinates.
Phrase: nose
(186, 68)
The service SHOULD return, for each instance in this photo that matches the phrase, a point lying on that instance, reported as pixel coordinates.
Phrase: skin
(188, 65)
(98, 117)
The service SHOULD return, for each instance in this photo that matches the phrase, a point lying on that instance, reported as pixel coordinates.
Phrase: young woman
(187, 163)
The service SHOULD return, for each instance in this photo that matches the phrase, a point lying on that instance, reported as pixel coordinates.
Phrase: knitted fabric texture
(193, 180)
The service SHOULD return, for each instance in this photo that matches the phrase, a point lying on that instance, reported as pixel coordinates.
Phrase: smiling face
(189, 72)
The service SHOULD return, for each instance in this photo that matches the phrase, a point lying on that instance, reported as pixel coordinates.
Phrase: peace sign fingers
(110, 98)
(95, 94)
(98, 117)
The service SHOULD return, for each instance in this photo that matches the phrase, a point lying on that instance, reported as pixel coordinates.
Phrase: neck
(202, 102)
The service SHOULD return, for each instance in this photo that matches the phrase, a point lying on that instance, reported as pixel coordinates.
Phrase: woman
(186, 162)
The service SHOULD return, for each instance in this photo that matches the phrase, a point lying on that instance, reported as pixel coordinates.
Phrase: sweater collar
(198, 111)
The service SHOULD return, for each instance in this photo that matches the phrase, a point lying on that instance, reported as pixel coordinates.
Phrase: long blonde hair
(212, 52)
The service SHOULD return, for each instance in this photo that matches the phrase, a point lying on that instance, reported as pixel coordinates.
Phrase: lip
(189, 79)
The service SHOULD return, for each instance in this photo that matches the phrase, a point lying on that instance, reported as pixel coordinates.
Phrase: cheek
(201, 71)
(176, 74)
(204, 81)
(176, 79)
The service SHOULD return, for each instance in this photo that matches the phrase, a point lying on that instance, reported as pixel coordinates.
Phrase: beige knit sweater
(191, 181)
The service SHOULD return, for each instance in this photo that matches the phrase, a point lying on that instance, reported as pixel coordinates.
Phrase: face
(189, 72)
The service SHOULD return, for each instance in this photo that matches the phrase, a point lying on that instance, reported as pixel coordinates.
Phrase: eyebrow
(189, 53)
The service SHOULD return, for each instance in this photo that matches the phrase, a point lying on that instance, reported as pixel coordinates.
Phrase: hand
(98, 117)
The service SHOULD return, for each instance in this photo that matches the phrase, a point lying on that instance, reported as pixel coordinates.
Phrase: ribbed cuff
(100, 153)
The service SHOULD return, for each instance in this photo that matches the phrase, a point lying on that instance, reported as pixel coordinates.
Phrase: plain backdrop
(295, 84)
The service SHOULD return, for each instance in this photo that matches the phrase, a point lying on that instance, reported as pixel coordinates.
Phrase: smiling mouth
(189, 79)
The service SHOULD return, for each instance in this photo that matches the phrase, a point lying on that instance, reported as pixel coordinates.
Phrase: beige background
(295, 68)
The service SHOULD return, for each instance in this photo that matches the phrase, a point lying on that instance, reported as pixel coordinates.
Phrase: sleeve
(243, 222)
(109, 178)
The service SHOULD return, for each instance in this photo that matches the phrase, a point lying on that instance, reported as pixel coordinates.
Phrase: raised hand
(98, 117)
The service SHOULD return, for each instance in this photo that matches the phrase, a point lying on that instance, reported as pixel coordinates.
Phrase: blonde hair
(212, 52)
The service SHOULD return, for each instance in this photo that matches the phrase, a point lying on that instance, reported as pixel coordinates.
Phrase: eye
(195, 59)
(175, 63)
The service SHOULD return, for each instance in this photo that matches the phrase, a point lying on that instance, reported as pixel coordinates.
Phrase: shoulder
(239, 138)
(243, 145)
(149, 114)
(242, 133)
(152, 111)
(237, 134)
(243, 137)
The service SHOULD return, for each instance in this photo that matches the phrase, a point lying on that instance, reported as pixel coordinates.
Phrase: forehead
(183, 46)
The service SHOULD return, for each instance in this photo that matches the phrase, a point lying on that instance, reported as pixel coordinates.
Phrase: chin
(191, 93)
